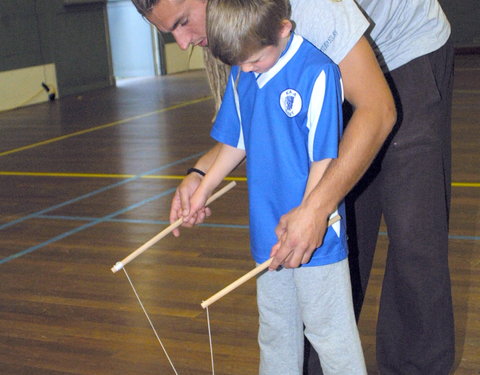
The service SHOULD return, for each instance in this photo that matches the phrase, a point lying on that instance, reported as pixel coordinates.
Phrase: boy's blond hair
(236, 29)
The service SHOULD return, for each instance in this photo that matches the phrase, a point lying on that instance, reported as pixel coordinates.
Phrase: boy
(282, 110)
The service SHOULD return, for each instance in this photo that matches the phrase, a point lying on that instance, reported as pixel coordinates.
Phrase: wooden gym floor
(86, 180)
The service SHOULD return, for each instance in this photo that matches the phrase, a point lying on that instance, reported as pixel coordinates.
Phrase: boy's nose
(246, 67)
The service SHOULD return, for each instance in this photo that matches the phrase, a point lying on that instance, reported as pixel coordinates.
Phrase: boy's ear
(286, 28)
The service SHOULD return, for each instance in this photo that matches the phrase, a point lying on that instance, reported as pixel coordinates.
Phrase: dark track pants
(409, 183)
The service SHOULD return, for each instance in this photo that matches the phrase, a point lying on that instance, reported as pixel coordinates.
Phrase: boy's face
(185, 19)
(263, 60)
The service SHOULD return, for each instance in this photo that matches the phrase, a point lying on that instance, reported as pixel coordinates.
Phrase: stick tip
(117, 267)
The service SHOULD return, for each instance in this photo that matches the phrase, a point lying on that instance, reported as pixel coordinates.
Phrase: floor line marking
(450, 237)
(137, 221)
(104, 126)
(470, 69)
(84, 226)
(101, 175)
(110, 218)
(92, 193)
(466, 184)
(152, 176)
(466, 91)
(214, 225)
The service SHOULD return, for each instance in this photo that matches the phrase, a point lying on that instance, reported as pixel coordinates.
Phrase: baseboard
(32, 85)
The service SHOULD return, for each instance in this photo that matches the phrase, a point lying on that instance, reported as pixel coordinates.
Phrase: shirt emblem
(291, 102)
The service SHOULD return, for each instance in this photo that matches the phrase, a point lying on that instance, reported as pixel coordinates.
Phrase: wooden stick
(236, 283)
(248, 275)
(119, 265)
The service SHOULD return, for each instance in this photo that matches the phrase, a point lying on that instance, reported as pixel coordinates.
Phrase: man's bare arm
(374, 115)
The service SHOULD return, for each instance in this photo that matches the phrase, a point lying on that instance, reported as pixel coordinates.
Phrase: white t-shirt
(399, 30)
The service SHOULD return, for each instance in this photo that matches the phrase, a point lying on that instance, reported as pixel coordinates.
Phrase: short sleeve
(227, 127)
(324, 118)
(332, 26)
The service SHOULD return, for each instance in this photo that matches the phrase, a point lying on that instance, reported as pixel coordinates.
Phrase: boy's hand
(197, 207)
(180, 206)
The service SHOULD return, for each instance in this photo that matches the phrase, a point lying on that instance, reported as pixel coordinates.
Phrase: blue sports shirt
(285, 119)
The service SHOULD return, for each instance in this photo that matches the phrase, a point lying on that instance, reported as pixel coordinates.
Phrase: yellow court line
(55, 174)
(466, 91)
(110, 124)
(159, 177)
(471, 69)
(173, 177)
(466, 184)
(102, 175)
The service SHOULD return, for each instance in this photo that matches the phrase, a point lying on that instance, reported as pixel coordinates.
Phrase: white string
(149, 320)
(210, 340)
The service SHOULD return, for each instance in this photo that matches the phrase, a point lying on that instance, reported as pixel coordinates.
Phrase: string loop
(150, 321)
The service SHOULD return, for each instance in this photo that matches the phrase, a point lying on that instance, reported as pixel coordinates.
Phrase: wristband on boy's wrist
(196, 170)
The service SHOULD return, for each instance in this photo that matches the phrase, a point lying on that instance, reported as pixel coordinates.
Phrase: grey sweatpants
(319, 299)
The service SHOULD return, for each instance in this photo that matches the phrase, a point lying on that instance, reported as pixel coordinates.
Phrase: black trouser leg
(415, 329)
(410, 184)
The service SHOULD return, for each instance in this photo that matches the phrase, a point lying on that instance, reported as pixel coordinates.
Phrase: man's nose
(182, 38)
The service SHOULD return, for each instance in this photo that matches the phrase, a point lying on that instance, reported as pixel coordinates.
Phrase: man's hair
(236, 29)
(144, 7)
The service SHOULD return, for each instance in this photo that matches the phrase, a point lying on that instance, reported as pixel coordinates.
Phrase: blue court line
(472, 238)
(137, 221)
(95, 192)
(111, 218)
(85, 226)
(216, 225)
(450, 237)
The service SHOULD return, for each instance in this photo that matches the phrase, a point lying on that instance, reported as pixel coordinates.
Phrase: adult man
(409, 182)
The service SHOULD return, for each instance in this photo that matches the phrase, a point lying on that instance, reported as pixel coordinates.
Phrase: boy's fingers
(279, 253)
(185, 200)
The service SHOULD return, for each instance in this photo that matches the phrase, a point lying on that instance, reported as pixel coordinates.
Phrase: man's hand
(299, 233)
